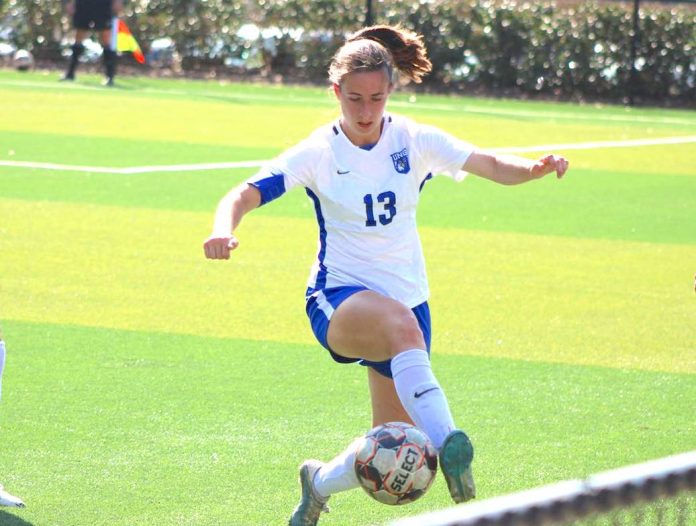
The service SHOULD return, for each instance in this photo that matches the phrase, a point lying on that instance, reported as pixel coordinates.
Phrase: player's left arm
(512, 169)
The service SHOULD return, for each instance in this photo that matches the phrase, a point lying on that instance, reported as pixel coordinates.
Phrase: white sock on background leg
(338, 474)
(421, 394)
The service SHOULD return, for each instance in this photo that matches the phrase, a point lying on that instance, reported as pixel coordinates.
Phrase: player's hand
(219, 247)
(549, 164)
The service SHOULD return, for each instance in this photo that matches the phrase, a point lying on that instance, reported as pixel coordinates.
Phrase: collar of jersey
(377, 146)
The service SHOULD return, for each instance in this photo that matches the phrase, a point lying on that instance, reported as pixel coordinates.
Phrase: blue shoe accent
(456, 455)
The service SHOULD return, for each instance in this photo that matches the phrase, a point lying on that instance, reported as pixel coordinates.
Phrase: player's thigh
(80, 35)
(371, 326)
(386, 406)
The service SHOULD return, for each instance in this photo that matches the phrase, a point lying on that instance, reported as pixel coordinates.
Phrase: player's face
(363, 95)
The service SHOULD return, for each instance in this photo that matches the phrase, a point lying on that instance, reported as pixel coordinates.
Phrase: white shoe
(311, 504)
(9, 500)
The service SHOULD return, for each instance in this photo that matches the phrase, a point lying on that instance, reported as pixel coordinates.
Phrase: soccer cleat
(108, 82)
(456, 455)
(311, 504)
(9, 500)
(67, 78)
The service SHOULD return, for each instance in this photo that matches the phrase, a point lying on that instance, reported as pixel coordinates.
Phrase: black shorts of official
(92, 14)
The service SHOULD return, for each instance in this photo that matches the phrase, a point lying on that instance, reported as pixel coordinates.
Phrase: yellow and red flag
(122, 40)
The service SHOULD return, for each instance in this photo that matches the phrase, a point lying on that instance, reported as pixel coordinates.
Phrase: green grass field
(148, 386)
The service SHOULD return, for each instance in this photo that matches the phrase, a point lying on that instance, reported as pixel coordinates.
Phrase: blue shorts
(92, 14)
(321, 305)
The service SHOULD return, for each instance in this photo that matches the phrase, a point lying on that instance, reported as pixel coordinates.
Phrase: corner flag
(123, 40)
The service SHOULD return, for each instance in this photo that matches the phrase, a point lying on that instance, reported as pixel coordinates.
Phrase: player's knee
(404, 332)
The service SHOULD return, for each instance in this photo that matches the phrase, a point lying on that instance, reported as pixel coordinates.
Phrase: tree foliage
(502, 45)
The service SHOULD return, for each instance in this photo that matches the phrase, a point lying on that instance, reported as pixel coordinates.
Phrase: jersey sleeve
(443, 153)
(294, 167)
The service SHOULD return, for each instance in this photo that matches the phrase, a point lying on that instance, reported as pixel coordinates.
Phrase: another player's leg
(77, 49)
(9, 500)
(5, 498)
(108, 57)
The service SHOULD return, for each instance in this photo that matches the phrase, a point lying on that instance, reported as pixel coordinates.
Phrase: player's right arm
(296, 166)
(230, 211)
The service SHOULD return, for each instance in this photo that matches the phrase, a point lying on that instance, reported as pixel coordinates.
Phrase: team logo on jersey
(400, 160)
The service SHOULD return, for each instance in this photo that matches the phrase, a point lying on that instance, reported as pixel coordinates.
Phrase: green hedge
(502, 46)
(574, 52)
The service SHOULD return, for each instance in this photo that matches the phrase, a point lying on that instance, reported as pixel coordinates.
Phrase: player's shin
(421, 394)
(338, 474)
(77, 50)
(109, 58)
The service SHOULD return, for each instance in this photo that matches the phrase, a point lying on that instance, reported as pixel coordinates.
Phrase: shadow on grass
(7, 519)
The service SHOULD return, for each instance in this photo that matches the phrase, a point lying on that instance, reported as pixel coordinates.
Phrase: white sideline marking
(135, 169)
(630, 143)
(595, 117)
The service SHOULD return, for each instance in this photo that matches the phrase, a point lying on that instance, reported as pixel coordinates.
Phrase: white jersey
(365, 202)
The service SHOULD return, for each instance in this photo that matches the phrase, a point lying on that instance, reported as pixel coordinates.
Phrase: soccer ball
(23, 60)
(395, 463)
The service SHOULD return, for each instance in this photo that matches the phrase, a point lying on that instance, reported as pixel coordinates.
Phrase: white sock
(421, 394)
(338, 474)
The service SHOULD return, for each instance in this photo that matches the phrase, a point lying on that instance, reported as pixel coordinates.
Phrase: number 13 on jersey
(388, 202)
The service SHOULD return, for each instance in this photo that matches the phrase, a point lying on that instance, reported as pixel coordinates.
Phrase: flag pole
(114, 33)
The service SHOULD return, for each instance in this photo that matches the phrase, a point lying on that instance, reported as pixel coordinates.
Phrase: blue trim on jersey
(320, 281)
(335, 130)
(368, 147)
(427, 178)
(270, 187)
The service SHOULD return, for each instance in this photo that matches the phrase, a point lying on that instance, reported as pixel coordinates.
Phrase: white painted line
(190, 167)
(630, 143)
(59, 167)
(52, 87)
(135, 169)
(595, 116)
(541, 115)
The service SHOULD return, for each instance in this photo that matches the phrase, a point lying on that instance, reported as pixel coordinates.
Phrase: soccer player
(94, 15)
(367, 292)
(5, 498)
